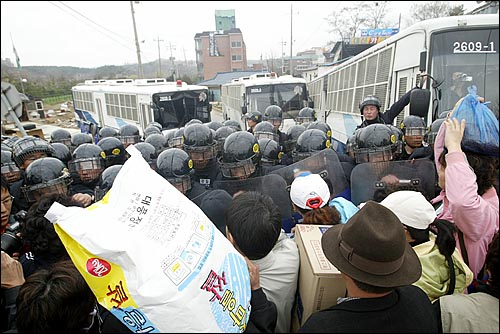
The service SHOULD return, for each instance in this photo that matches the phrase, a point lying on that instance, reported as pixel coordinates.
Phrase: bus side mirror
(311, 104)
(419, 102)
(244, 110)
(423, 61)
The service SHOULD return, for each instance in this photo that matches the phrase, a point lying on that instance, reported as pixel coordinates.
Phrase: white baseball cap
(411, 207)
(309, 192)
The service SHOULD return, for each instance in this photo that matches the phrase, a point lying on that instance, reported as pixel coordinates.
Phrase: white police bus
(114, 103)
(444, 48)
(258, 91)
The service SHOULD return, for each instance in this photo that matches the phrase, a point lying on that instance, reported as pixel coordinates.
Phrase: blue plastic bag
(481, 125)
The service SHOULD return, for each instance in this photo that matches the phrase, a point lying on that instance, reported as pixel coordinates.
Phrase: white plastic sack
(154, 259)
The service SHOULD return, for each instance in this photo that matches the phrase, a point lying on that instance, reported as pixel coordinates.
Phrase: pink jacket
(476, 216)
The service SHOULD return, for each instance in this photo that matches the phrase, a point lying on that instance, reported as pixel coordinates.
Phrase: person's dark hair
(492, 264)
(39, 233)
(445, 241)
(5, 184)
(326, 215)
(485, 168)
(420, 236)
(370, 288)
(254, 221)
(55, 300)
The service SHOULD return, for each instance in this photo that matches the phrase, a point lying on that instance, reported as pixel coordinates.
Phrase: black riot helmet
(369, 100)
(399, 140)
(413, 126)
(430, 136)
(193, 121)
(214, 125)
(80, 138)
(375, 143)
(176, 167)
(156, 124)
(61, 152)
(27, 147)
(114, 151)
(232, 123)
(9, 141)
(255, 116)
(271, 152)
(350, 145)
(306, 115)
(46, 176)
(129, 134)
(310, 142)
(274, 115)
(106, 180)
(177, 139)
(61, 136)
(149, 130)
(220, 136)
(10, 171)
(148, 152)
(200, 144)
(107, 131)
(265, 130)
(320, 125)
(292, 134)
(159, 142)
(240, 155)
(87, 163)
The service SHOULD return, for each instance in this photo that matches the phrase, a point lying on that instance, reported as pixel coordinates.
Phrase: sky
(97, 33)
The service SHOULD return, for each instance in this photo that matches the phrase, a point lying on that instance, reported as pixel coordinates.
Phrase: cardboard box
(320, 283)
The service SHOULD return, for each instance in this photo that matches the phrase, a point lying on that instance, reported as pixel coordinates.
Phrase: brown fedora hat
(372, 248)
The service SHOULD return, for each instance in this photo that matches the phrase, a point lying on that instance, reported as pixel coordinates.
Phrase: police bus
(114, 103)
(440, 50)
(258, 91)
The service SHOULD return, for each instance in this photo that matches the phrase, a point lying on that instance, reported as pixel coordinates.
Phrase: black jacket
(393, 112)
(264, 315)
(406, 309)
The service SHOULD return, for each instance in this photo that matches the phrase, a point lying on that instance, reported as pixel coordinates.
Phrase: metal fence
(57, 99)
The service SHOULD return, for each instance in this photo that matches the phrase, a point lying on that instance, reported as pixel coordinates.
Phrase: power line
(110, 37)
(97, 24)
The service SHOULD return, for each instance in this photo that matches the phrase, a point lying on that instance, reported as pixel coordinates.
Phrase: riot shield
(376, 180)
(271, 185)
(326, 163)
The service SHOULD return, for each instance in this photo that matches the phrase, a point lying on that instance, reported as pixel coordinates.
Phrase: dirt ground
(63, 119)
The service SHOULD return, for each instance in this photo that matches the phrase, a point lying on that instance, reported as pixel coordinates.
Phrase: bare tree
(376, 12)
(348, 19)
(431, 10)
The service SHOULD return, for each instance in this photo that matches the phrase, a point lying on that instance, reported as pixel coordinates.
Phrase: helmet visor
(374, 154)
(415, 131)
(87, 169)
(236, 170)
(58, 186)
(11, 172)
(266, 135)
(182, 183)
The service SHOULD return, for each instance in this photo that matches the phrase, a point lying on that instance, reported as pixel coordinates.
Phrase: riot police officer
(61, 152)
(414, 129)
(86, 165)
(309, 142)
(253, 118)
(375, 143)
(176, 167)
(78, 139)
(201, 146)
(107, 131)
(62, 136)
(240, 157)
(148, 152)
(271, 155)
(106, 180)
(129, 135)
(159, 142)
(114, 151)
(306, 115)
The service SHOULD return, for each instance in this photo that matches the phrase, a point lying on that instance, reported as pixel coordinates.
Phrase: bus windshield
(464, 58)
(174, 109)
(289, 96)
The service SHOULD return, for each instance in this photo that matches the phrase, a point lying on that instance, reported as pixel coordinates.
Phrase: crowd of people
(412, 261)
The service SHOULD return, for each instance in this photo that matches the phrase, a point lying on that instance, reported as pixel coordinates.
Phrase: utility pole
(283, 43)
(172, 60)
(159, 58)
(291, 37)
(141, 71)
